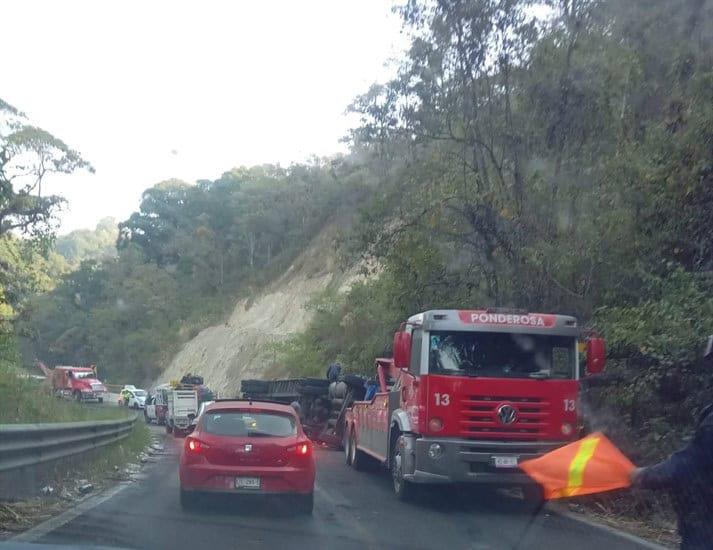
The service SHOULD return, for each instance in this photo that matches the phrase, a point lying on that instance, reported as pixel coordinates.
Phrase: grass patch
(26, 401)
(118, 454)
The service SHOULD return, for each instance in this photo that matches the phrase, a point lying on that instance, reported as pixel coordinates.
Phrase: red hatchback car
(248, 447)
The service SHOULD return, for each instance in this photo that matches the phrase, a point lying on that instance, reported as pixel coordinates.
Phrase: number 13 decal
(569, 405)
(443, 399)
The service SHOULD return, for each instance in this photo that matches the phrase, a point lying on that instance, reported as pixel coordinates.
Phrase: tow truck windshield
(501, 355)
(87, 374)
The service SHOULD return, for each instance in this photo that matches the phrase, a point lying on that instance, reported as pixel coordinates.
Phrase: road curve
(352, 510)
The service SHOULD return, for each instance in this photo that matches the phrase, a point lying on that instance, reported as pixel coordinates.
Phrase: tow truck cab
(470, 394)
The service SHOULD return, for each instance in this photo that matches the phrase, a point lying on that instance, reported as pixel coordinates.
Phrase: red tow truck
(470, 394)
(78, 383)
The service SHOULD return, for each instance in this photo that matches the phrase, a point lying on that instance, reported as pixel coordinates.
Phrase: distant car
(248, 447)
(136, 399)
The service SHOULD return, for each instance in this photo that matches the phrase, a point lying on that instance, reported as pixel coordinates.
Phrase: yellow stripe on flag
(578, 464)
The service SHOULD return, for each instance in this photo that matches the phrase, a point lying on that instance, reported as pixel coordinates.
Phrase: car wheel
(188, 500)
(169, 429)
(403, 489)
(305, 504)
(101, 400)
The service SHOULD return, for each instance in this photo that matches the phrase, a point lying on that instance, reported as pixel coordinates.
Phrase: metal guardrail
(23, 445)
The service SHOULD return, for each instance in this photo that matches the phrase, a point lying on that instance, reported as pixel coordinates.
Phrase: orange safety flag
(591, 465)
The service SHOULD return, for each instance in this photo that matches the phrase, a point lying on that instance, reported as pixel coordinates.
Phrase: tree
(27, 156)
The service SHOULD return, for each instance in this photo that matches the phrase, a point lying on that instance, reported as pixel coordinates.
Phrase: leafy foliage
(84, 244)
(182, 260)
(558, 164)
(28, 154)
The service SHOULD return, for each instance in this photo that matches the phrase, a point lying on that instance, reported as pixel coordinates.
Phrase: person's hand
(635, 475)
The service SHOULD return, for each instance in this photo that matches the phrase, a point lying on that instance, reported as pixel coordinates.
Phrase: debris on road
(84, 486)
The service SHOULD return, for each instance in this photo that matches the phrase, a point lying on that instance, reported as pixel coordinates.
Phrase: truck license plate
(505, 461)
(247, 482)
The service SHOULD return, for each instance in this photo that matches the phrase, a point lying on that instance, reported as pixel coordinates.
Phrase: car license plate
(247, 482)
(505, 461)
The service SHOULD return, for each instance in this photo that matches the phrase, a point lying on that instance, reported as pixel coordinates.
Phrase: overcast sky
(149, 90)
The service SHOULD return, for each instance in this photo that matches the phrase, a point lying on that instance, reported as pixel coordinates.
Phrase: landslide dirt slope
(227, 353)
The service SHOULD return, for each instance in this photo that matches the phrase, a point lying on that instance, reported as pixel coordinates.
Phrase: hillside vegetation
(562, 165)
(182, 261)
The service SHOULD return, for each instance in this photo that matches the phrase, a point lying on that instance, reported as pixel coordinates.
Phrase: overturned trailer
(322, 404)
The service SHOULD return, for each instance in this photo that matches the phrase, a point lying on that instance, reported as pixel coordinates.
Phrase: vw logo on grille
(507, 414)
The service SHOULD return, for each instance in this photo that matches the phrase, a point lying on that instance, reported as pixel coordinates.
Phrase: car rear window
(249, 424)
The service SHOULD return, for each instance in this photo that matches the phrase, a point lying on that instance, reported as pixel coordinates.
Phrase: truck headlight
(435, 424)
(435, 451)
(567, 429)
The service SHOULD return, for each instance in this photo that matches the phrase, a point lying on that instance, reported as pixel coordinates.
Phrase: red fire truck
(469, 394)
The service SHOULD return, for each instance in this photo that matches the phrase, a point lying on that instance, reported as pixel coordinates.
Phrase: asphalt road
(352, 510)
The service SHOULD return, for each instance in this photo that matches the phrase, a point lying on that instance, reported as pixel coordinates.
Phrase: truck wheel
(347, 444)
(360, 461)
(169, 429)
(100, 399)
(403, 489)
(78, 396)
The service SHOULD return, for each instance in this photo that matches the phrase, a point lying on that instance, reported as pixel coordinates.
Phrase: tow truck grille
(479, 417)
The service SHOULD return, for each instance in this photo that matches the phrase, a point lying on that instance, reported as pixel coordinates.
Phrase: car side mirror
(402, 349)
(596, 355)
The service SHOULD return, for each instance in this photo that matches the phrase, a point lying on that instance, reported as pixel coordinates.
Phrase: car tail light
(301, 449)
(435, 424)
(195, 446)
